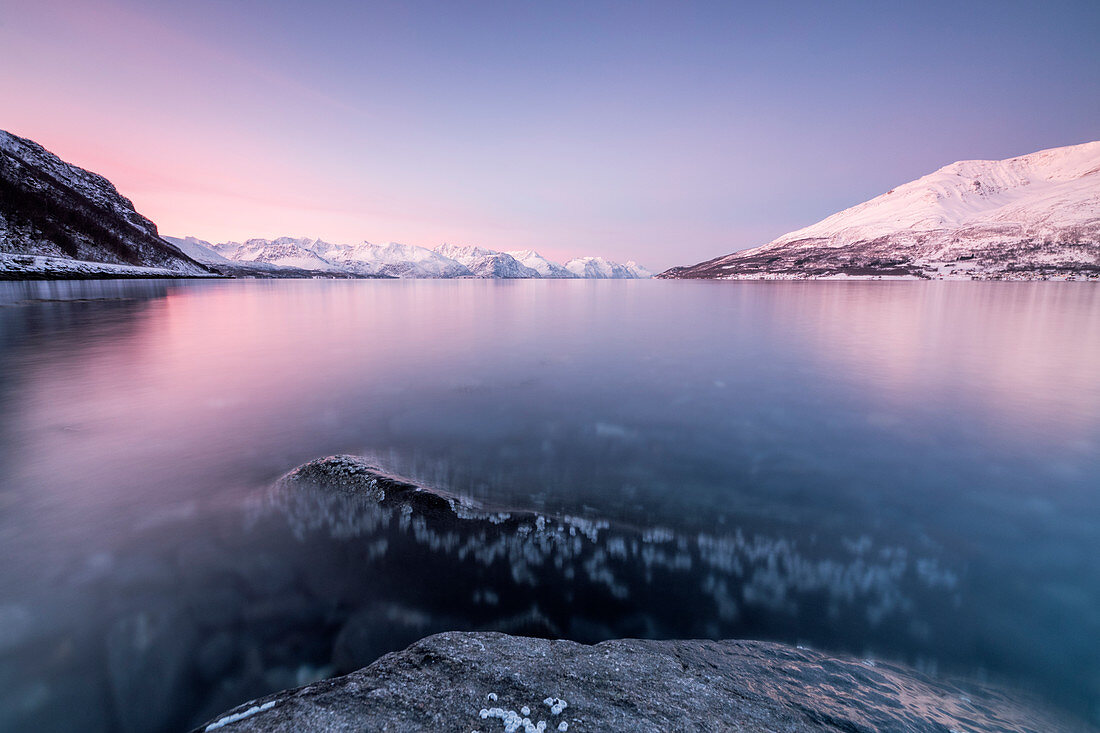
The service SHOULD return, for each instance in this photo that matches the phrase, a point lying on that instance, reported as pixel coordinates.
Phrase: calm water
(904, 470)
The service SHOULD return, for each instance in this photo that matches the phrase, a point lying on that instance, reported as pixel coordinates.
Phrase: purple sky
(666, 133)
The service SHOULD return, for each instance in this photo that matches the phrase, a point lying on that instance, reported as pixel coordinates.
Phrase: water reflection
(987, 348)
(888, 468)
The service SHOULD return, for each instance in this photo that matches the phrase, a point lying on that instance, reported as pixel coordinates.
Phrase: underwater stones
(348, 497)
(149, 660)
(217, 607)
(471, 681)
(356, 642)
(217, 655)
(264, 575)
(733, 575)
(67, 703)
(369, 634)
(16, 626)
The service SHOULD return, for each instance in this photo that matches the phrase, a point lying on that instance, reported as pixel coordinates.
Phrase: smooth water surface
(908, 470)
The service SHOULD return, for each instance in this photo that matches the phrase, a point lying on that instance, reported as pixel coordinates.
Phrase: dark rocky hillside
(51, 208)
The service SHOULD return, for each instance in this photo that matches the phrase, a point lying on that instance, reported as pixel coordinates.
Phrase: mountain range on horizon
(392, 259)
(1034, 216)
(59, 220)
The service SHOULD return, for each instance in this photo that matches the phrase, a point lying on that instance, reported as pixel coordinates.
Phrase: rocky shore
(490, 682)
(341, 564)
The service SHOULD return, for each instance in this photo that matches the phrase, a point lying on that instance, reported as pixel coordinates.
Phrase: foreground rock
(489, 681)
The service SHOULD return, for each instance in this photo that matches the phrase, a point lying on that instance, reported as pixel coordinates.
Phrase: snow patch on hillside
(33, 266)
(197, 249)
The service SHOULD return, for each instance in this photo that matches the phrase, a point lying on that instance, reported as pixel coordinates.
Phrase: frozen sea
(898, 470)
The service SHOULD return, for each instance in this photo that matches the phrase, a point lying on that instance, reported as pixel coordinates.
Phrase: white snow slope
(197, 249)
(38, 266)
(1033, 215)
(1042, 195)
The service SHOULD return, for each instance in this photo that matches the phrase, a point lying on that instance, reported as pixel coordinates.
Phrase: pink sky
(630, 132)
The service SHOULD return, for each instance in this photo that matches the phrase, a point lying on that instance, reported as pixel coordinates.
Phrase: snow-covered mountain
(541, 265)
(392, 260)
(399, 260)
(54, 211)
(599, 268)
(198, 250)
(1033, 216)
(284, 252)
(487, 263)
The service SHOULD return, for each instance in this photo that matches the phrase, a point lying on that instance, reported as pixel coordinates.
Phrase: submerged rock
(529, 572)
(149, 663)
(491, 681)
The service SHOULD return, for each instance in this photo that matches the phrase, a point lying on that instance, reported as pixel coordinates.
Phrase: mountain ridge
(58, 220)
(1027, 217)
(392, 259)
(52, 210)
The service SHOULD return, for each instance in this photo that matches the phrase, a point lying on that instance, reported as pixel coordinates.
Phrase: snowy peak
(284, 252)
(197, 249)
(1032, 216)
(1041, 190)
(601, 269)
(392, 259)
(487, 263)
(461, 254)
(544, 267)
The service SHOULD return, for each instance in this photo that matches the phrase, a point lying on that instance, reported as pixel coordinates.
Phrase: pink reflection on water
(1022, 352)
(202, 390)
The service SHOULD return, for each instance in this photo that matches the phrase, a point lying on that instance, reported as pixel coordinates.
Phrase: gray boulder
(490, 682)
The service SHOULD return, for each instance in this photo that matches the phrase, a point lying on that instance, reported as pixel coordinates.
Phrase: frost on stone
(222, 722)
(555, 704)
(515, 722)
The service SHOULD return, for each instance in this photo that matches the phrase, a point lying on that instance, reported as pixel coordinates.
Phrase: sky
(666, 133)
